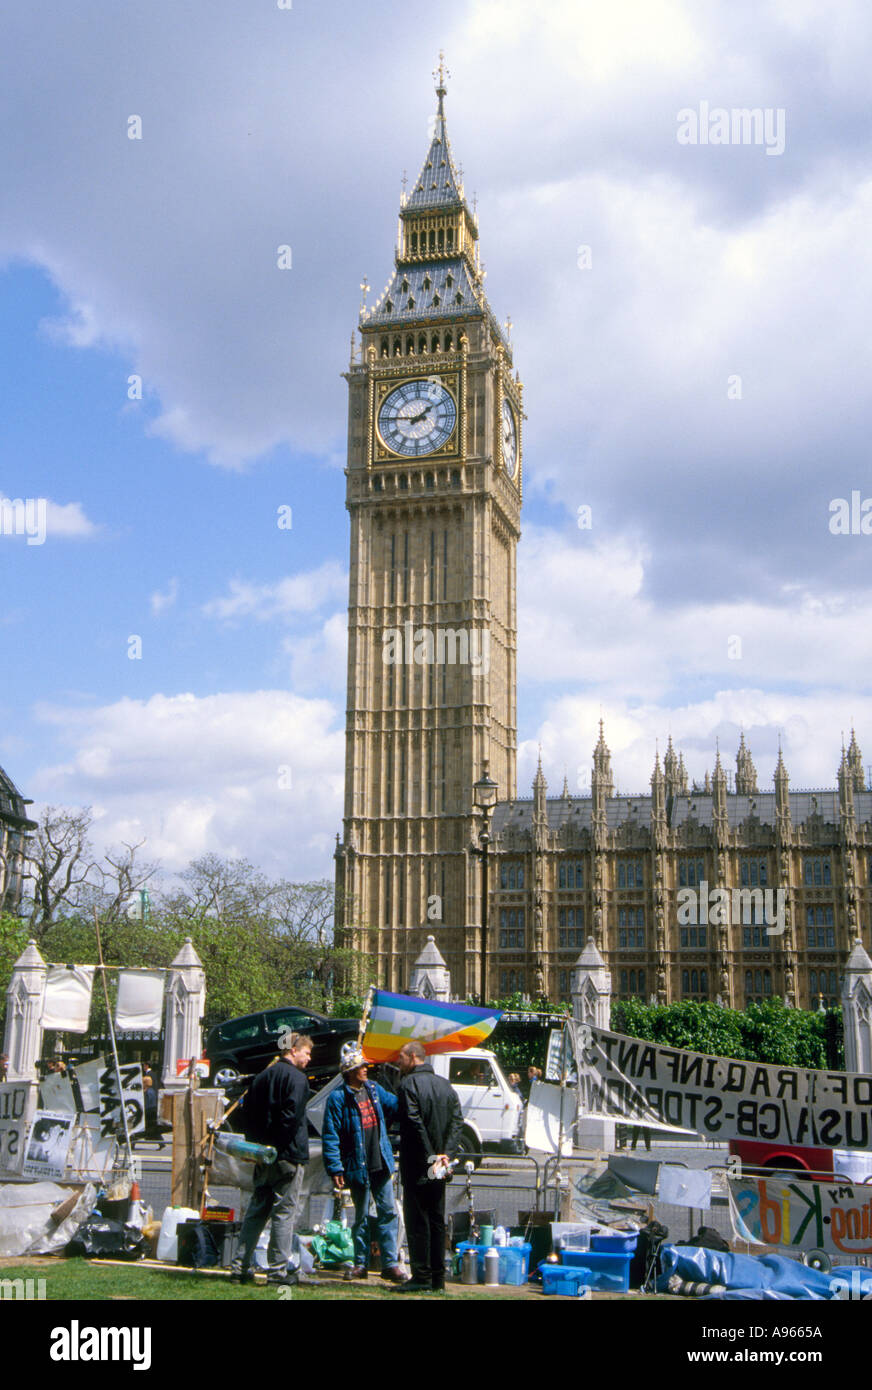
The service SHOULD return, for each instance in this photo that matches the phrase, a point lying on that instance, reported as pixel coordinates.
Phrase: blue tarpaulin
(756, 1276)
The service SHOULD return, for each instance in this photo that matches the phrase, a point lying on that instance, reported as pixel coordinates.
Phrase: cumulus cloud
(297, 594)
(257, 775)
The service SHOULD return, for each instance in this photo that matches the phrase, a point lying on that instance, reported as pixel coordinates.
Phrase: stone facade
(613, 867)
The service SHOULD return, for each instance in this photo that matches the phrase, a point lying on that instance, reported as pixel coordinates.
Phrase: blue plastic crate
(514, 1261)
(622, 1243)
(564, 1279)
(607, 1270)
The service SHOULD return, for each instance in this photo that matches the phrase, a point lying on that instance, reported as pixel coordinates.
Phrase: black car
(244, 1046)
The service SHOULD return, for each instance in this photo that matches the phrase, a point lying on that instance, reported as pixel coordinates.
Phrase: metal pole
(484, 840)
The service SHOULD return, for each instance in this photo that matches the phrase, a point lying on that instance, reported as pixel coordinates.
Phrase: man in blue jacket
(357, 1152)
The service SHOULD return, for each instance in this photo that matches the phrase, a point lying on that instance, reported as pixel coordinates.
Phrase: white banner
(630, 1079)
(67, 1000)
(139, 1005)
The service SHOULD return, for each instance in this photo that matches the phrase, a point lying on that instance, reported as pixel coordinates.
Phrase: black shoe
(412, 1286)
(242, 1276)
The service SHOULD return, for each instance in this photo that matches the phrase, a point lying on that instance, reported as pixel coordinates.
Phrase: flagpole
(364, 1020)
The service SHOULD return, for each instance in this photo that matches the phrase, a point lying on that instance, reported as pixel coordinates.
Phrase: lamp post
(484, 799)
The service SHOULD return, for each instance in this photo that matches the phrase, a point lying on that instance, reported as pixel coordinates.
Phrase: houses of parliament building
(434, 490)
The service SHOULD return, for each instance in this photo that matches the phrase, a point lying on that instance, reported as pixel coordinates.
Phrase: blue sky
(157, 258)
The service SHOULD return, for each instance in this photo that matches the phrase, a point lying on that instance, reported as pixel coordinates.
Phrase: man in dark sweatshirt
(274, 1113)
(430, 1128)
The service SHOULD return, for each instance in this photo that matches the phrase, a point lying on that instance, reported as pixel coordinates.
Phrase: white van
(492, 1111)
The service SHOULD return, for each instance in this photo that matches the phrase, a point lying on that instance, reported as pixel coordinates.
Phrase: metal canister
(492, 1265)
(469, 1267)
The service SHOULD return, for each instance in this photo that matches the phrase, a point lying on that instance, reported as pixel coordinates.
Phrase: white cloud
(162, 600)
(302, 593)
(40, 516)
(191, 775)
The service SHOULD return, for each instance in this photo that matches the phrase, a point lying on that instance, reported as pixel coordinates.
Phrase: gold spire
(440, 75)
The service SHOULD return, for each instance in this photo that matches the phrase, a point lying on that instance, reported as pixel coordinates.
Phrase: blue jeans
(381, 1187)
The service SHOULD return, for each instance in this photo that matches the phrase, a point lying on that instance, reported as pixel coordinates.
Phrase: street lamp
(484, 799)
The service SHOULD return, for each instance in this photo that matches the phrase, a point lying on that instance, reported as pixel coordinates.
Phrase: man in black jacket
(274, 1113)
(430, 1127)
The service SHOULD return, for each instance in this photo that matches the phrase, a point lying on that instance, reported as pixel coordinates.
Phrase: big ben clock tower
(434, 491)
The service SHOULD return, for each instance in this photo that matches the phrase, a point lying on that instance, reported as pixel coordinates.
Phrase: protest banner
(786, 1211)
(630, 1079)
(17, 1103)
(111, 1121)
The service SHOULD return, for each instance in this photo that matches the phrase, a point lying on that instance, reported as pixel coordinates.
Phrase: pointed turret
(658, 799)
(670, 767)
(855, 763)
(681, 786)
(601, 785)
(746, 773)
(719, 800)
(566, 794)
(782, 798)
(847, 816)
(540, 792)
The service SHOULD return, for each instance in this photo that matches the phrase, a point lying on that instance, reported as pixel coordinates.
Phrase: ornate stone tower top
(847, 815)
(719, 804)
(855, 763)
(658, 798)
(602, 765)
(746, 773)
(782, 798)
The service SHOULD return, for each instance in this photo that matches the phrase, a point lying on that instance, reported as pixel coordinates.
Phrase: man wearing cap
(357, 1152)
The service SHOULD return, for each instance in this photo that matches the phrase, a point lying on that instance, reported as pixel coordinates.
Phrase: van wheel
(470, 1147)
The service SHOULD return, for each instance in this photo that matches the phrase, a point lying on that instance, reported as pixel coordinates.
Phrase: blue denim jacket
(342, 1132)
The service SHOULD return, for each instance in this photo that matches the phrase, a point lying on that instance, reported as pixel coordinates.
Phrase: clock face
(417, 418)
(510, 440)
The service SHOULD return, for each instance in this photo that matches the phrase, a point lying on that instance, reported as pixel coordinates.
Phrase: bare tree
(59, 864)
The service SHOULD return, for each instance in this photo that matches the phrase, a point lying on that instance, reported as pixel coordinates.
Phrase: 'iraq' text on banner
(631, 1079)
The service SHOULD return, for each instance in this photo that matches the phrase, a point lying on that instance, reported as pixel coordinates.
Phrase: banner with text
(778, 1210)
(630, 1079)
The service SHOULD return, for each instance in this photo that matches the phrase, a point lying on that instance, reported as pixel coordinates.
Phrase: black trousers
(424, 1213)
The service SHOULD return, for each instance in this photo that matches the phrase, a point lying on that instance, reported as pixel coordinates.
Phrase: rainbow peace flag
(396, 1019)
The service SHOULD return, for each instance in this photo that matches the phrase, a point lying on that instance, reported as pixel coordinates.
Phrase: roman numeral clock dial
(417, 418)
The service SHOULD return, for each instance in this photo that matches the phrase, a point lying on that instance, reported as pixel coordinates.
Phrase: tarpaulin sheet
(640, 1174)
(67, 1000)
(765, 1275)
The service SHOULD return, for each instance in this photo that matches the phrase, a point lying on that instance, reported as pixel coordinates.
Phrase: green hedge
(767, 1032)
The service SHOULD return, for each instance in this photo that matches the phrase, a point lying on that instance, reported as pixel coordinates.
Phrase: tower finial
(440, 74)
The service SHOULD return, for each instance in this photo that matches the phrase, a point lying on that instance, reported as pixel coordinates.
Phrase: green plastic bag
(334, 1246)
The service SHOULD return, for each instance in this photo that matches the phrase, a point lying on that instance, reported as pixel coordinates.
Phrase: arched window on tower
(422, 342)
(435, 343)
(450, 238)
(448, 342)
(410, 346)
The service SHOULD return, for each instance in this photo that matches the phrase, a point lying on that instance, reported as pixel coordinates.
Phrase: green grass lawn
(79, 1279)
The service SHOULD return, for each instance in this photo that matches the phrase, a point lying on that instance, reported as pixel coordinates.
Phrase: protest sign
(786, 1211)
(47, 1144)
(111, 1121)
(631, 1079)
(17, 1101)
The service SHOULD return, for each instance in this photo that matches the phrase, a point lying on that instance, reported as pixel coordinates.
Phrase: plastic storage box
(514, 1261)
(606, 1270)
(622, 1243)
(564, 1279)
